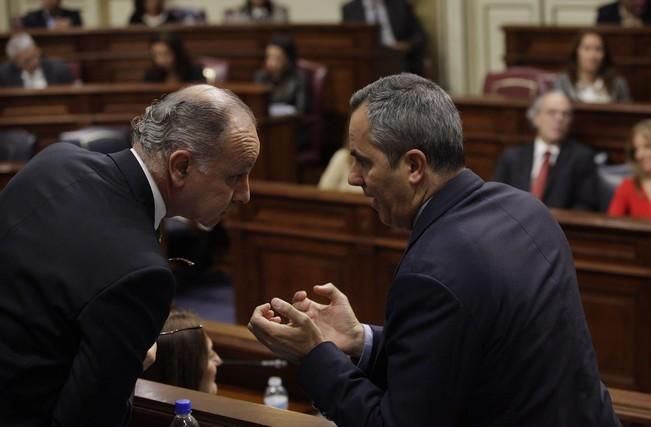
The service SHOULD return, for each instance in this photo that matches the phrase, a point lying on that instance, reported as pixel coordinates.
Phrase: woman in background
(633, 196)
(171, 63)
(257, 12)
(288, 83)
(185, 357)
(151, 13)
(590, 75)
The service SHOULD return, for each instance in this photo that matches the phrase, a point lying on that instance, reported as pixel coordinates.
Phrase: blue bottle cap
(182, 407)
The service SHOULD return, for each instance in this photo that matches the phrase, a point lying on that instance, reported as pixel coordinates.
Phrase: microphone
(271, 363)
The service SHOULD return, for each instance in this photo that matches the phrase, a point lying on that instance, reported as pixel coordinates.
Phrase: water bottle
(183, 417)
(275, 395)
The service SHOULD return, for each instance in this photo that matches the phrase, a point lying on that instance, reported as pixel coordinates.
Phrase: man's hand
(291, 340)
(336, 320)
(150, 357)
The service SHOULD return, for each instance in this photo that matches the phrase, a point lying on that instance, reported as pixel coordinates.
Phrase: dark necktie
(538, 185)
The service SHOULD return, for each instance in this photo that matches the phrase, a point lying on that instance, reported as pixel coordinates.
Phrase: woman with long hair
(591, 75)
(171, 62)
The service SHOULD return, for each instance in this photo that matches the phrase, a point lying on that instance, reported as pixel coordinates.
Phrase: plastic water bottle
(275, 395)
(183, 417)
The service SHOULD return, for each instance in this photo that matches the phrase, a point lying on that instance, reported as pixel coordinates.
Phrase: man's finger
(331, 292)
(287, 310)
(299, 296)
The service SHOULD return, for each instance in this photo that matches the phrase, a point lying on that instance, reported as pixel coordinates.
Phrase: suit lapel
(524, 171)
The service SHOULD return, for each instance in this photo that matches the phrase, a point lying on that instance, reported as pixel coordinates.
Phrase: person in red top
(633, 196)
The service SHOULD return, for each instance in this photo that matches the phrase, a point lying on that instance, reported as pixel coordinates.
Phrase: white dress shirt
(159, 204)
(34, 80)
(376, 13)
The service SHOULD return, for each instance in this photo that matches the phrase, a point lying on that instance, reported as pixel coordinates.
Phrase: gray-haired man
(84, 287)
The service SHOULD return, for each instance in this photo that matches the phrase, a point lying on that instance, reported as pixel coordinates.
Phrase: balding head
(195, 119)
(551, 115)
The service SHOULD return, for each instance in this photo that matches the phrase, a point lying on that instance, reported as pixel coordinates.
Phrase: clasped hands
(292, 330)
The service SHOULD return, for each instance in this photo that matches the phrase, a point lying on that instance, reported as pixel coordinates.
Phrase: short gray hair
(194, 119)
(17, 43)
(406, 111)
(536, 105)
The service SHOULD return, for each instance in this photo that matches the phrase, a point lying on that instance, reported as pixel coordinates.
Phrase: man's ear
(417, 164)
(179, 167)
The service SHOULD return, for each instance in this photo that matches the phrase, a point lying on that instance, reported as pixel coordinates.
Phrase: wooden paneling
(550, 47)
(491, 124)
(56, 109)
(351, 52)
(292, 237)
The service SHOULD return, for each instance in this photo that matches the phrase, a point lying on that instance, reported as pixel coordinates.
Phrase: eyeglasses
(180, 261)
(173, 331)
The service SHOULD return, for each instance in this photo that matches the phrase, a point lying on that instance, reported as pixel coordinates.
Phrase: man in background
(52, 16)
(400, 29)
(554, 168)
(627, 13)
(27, 68)
(84, 287)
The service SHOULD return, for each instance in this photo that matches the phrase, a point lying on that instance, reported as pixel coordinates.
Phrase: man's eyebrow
(357, 155)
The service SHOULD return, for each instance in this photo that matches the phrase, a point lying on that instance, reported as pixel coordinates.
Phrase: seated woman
(289, 93)
(171, 63)
(257, 12)
(590, 75)
(633, 196)
(151, 13)
(185, 357)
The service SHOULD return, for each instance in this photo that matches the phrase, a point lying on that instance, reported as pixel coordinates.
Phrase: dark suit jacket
(84, 289)
(572, 181)
(609, 14)
(38, 18)
(484, 325)
(405, 26)
(56, 72)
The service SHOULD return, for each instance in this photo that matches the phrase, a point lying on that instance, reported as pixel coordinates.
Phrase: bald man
(556, 169)
(85, 288)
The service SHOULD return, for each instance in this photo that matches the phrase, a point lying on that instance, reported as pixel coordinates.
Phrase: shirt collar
(540, 147)
(159, 204)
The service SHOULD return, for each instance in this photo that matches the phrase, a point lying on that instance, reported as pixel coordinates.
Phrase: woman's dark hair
(182, 60)
(287, 45)
(139, 7)
(607, 68)
(181, 357)
(248, 7)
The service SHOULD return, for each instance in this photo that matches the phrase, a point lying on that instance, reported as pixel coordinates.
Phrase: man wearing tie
(557, 170)
(400, 29)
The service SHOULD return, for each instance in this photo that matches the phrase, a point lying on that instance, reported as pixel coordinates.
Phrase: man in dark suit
(400, 29)
(484, 324)
(26, 67)
(627, 13)
(570, 178)
(84, 288)
(52, 15)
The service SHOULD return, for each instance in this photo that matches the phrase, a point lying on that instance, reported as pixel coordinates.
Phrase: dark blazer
(483, 327)
(38, 18)
(159, 75)
(292, 89)
(609, 14)
(84, 288)
(405, 26)
(572, 181)
(56, 72)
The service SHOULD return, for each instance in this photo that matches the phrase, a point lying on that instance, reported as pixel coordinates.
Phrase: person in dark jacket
(52, 15)
(171, 61)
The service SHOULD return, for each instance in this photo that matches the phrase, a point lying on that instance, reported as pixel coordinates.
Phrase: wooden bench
(491, 124)
(56, 109)
(550, 47)
(291, 237)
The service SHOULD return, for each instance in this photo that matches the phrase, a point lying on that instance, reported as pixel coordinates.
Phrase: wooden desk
(153, 406)
(491, 124)
(629, 406)
(292, 237)
(351, 52)
(56, 109)
(550, 47)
